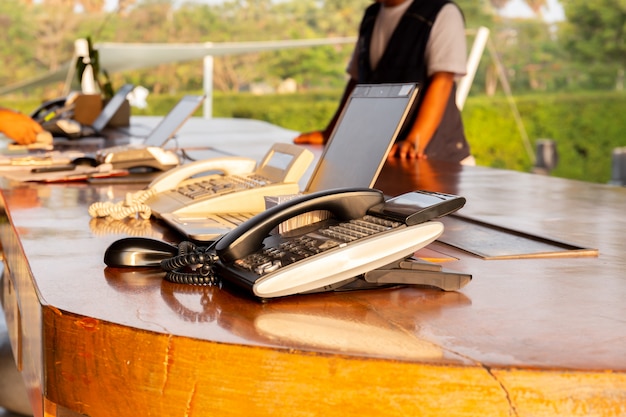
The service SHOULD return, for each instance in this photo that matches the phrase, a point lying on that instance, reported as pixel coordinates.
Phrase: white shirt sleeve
(446, 50)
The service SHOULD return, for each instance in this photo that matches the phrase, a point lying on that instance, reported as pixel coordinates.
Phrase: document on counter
(63, 173)
(29, 161)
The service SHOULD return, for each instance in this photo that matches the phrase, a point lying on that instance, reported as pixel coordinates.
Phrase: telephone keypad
(288, 250)
(221, 185)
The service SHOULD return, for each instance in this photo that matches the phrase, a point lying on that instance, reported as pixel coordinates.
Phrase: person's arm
(445, 57)
(19, 127)
(428, 118)
(320, 137)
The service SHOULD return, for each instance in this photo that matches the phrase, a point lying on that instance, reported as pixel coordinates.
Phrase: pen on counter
(86, 176)
(53, 168)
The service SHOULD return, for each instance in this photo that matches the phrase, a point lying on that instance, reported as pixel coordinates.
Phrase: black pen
(53, 168)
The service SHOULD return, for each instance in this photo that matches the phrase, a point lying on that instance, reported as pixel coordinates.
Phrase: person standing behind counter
(406, 41)
(18, 127)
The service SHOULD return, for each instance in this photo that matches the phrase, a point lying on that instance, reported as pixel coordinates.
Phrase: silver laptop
(174, 120)
(150, 153)
(353, 157)
(111, 108)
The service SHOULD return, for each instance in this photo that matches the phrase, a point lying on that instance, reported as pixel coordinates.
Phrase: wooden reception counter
(534, 334)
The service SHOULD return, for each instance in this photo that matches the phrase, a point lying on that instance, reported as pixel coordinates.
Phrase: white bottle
(88, 81)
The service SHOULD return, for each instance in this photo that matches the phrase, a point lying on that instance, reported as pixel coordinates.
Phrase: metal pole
(208, 86)
(462, 91)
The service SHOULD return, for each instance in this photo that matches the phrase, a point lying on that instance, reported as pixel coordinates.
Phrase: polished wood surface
(527, 337)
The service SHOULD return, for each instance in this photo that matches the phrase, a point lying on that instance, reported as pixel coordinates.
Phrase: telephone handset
(365, 232)
(229, 184)
(53, 109)
(248, 237)
(228, 165)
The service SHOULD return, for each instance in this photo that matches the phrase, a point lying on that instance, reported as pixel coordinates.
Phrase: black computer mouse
(138, 251)
(85, 161)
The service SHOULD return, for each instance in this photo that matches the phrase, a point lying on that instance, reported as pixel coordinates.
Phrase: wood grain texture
(168, 375)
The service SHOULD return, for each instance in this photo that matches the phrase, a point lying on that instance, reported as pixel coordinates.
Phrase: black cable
(186, 155)
(193, 265)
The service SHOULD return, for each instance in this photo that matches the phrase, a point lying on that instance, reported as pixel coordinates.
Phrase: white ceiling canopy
(118, 57)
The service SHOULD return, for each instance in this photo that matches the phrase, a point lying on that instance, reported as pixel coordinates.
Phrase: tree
(40, 34)
(535, 5)
(16, 40)
(595, 35)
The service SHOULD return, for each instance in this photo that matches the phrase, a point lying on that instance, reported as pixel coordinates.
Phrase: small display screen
(418, 206)
(280, 160)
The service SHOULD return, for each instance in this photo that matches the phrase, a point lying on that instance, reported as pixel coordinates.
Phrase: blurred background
(551, 70)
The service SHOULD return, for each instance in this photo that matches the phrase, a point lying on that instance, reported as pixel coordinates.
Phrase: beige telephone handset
(230, 184)
(234, 165)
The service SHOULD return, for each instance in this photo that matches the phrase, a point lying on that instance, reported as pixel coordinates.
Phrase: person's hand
(19, 127)
(310, 138)
(405, 150)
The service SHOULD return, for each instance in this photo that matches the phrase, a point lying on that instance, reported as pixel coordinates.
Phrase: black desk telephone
(363, 235)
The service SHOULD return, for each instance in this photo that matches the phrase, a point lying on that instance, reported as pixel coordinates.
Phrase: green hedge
(586, 127)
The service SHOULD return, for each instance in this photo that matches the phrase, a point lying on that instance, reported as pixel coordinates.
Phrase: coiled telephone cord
(132, 205)
(192, 265)
(104, 226)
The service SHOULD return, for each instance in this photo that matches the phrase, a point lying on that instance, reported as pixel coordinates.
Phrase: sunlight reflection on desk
(344, 335)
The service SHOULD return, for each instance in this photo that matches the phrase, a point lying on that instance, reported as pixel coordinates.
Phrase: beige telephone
(230, 184)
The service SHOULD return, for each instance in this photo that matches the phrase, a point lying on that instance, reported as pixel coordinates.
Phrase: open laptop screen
(363, 136)
(170, 124)
(111, 108)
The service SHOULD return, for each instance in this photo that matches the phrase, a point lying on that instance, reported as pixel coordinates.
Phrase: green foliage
(16, 39)
(477, 13)
(586, 127)
(596, 30)
(493, 134)
(39, 37)
(300, 112)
